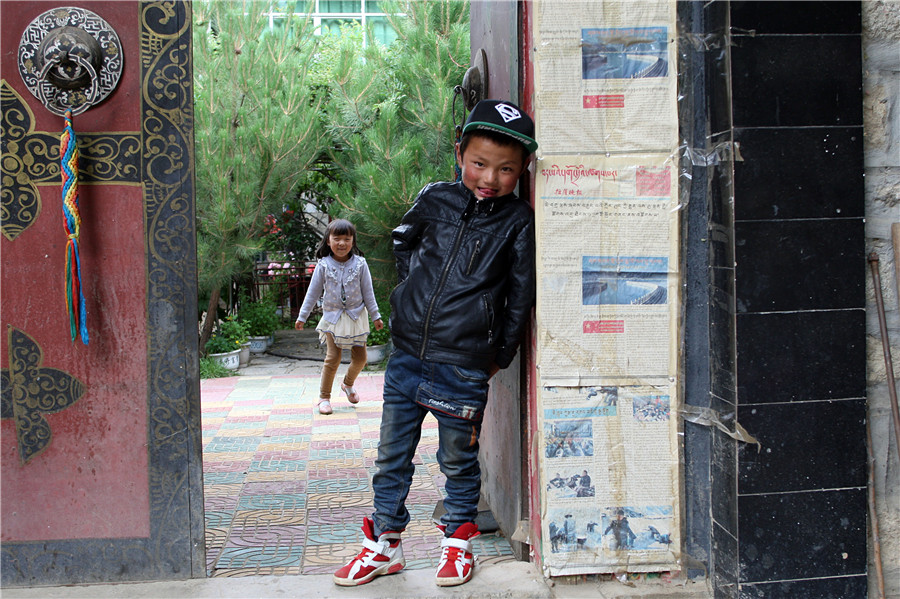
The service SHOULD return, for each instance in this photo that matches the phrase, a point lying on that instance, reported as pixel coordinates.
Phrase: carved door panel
(100, 439)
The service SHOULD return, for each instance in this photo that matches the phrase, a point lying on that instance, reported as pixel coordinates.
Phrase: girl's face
(341, 246)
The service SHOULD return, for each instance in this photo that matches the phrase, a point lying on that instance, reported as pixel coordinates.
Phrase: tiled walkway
(286, 488)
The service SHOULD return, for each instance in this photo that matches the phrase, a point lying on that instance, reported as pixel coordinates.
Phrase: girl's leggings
(333, 360)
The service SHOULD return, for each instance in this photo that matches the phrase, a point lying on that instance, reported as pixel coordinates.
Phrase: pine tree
(257, 131)
(390, 115)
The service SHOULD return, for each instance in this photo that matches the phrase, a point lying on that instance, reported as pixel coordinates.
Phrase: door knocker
(70, 59)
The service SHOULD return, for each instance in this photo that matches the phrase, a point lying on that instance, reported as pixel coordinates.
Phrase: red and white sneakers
(381, 556)
(457, 560)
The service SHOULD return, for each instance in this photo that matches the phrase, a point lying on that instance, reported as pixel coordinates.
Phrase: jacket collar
(476, 206)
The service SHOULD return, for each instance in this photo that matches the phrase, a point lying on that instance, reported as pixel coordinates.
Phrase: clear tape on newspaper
(709, 417)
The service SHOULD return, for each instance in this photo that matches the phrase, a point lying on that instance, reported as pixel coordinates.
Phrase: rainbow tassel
(75, 307)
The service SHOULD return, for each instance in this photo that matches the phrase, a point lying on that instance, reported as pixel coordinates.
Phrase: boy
(465, 265)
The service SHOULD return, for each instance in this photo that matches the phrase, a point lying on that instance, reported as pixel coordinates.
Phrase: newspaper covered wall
(607, 208)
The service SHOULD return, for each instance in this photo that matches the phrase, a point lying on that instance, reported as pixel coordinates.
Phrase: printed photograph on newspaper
(609, 477)
(609, 66)
(606, 309)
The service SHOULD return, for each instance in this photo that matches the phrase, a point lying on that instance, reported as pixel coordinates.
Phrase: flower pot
(259, 344)
(375, 354)
(230, 360)
(245, 354)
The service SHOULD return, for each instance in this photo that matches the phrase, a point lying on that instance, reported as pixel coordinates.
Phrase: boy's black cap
(503, 117)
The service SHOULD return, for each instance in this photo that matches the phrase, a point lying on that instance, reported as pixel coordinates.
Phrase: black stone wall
(785, 286)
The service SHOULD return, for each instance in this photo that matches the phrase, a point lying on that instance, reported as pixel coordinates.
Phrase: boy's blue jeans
(457, 397)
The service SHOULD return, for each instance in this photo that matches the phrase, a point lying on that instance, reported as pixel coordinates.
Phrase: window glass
(340, 6)
(383, 31)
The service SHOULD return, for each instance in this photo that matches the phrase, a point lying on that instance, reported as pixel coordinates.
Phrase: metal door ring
(70, 59)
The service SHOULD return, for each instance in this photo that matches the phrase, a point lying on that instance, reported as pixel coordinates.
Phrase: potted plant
(378, 345)
(261, 321)
(224, 351)
(237, 331)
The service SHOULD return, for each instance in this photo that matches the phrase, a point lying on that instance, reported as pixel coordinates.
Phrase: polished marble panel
(799, 173)
(804, 446)
(796, 17)
(840, 587)
(800, 265)
(807, 535)
(797, 81)
(796, 356)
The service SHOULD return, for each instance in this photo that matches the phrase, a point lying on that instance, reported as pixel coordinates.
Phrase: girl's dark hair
(337, 227)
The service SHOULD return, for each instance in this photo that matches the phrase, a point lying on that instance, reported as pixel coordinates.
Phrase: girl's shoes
(325, 406)
(352, 395)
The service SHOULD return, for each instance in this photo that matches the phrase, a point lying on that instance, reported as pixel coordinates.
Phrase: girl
(342, 275)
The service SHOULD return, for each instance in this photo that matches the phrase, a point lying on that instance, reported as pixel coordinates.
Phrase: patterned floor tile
(225, 503)
(265, 518)
(328, 516)
(337, 485)
(325, 559)
(277, 503)
(222, 490)
(223, 478)
(286, 488)
(215, 538)
(267, 536)
(218, 518)
(337, 501)
(264, 476)
(245, 557)
(276, 465)
(327, 534)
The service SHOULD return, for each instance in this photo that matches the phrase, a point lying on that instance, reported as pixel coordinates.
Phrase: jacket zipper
(489, 312)
(474, 257)
(440, 287)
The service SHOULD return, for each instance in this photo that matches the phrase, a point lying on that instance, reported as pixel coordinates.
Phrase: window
(329, 15)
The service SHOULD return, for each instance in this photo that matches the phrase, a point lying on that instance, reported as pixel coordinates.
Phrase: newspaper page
(607, 76)
(607, 235)
(610, 479)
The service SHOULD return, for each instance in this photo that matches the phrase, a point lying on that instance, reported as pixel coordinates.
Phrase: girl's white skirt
(347, 332)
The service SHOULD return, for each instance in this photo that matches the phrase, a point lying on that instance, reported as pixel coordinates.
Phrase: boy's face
(490, 170)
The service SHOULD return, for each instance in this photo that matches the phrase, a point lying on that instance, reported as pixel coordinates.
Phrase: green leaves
(391, 120)
(258, 128)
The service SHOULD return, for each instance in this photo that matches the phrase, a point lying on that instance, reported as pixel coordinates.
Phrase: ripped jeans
(456, 397)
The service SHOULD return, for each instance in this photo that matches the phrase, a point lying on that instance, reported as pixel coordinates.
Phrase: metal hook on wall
(474, 86)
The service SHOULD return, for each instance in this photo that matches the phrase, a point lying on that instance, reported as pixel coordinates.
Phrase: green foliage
(390, 116)
(294, 233)
(219, 344)
(260, 317)
(257, 129)
(379, 337)
(234, 330)
(211, 369)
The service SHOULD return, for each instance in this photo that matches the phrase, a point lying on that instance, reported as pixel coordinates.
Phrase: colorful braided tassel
(68, 152)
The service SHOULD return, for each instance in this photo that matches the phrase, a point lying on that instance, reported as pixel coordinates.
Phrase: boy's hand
(494, 369)
(299, 325)
(378, 325)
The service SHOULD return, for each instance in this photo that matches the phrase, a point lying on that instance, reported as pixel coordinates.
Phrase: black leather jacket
(466, 272)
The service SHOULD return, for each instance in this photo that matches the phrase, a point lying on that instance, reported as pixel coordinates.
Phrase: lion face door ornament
(70, 59)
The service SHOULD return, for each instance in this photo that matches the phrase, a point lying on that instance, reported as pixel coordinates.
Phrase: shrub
(379, 337)
(211, 369)
(260, 317)
(218, 344)
(234, 330)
